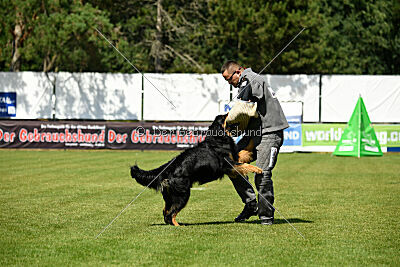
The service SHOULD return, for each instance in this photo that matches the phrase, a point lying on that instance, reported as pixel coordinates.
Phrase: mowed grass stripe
(53, 204)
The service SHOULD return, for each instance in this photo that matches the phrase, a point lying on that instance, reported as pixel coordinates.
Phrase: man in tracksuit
(272, 121)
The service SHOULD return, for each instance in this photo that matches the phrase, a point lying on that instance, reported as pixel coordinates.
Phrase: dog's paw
(258, 170)
(245, 156)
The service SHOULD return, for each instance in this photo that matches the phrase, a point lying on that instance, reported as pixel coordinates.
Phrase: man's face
(232, 76)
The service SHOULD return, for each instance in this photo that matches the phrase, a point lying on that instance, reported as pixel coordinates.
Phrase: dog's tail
(148, 178)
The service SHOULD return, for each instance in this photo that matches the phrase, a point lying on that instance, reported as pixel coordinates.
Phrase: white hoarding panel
(33, 90)
(381, 95)
(98, 96)
(184, 97)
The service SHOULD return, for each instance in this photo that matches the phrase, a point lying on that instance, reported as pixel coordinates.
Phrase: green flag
(359, 137)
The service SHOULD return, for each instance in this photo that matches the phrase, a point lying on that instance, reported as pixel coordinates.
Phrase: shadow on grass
(276, 221)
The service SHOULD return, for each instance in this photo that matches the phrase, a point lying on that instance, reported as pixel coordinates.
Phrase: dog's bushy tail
(148, 178)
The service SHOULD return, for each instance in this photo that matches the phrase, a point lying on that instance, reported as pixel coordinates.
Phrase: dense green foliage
(54, 203)
(342, 36)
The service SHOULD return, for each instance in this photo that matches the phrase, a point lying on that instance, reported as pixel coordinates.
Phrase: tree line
(174, 36)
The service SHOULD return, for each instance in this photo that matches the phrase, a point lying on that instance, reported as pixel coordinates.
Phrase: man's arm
(256, 86)
(257, 89)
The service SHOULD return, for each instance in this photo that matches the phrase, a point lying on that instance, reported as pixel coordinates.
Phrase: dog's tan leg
(245, 168)
(246, 155)
(251, 168)
(174, 220)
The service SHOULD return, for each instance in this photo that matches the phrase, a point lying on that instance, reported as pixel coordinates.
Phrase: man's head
(231, 72)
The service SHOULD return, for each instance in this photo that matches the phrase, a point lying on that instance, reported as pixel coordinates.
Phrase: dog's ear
(222, 118)
(218, 122)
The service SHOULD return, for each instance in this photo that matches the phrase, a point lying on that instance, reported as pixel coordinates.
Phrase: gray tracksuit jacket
(256, 89)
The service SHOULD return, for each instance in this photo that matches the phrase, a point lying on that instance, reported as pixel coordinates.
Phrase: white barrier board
(103, 96)
(196, 97)
(381, 95)
(184, 97)
(33, 90)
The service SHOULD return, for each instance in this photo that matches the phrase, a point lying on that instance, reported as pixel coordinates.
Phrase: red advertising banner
(97, 135)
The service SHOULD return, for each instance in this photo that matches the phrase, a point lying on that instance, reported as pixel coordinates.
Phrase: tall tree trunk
(158, 43)
(17, 34)
(48, 62)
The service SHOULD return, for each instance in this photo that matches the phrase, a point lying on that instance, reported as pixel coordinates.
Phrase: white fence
(98, 96)
(381, 95)
(192, 97)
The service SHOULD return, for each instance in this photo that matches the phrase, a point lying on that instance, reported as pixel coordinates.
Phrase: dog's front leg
(246, 154)
(243, 169)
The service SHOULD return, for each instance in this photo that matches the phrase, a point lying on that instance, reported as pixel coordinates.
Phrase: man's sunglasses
(230, 78)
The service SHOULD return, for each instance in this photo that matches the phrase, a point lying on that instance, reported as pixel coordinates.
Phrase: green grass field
(54, 203)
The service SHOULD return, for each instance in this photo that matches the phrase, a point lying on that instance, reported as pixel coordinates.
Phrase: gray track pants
(267, 150)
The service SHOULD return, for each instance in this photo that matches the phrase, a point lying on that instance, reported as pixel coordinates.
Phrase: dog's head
(218, 123)
(217, 127)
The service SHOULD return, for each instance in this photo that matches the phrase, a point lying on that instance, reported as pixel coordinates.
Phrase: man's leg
(245, 190)
(267, 155)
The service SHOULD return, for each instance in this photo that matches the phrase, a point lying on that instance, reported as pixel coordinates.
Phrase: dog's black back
(202, 163)
(206, 162)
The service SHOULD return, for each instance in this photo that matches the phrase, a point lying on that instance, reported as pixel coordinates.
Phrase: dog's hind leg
(166, 213)
(168, 203)
(171, 209)
(174, 222)
(179, 202)
(170, 215)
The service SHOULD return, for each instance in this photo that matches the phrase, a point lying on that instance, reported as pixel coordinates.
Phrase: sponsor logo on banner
(8, 104)
(322, 134)
(330, 134)
(292, 135)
